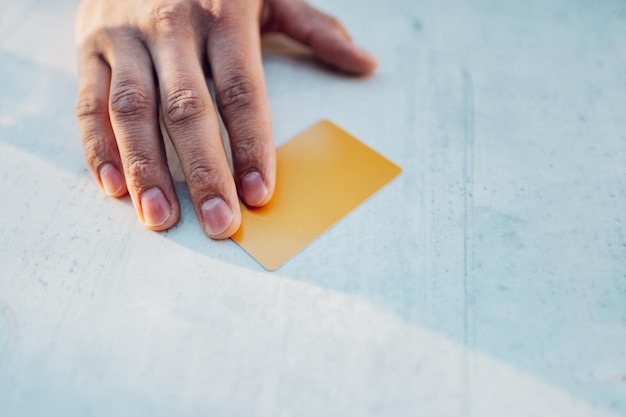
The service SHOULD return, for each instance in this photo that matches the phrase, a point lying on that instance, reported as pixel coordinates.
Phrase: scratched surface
(489, 279)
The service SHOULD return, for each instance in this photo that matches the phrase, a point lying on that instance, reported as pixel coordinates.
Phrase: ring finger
(134, 118)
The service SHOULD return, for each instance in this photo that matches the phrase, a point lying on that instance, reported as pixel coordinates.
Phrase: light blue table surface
(489, 279)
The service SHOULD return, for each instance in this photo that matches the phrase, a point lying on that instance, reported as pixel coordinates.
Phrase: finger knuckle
(130, 100)
(139, 167)
(201, 176)
(89, 105)
(170, 16)
(95, 148)
(237, 93)
(249, 147)
(183, 105)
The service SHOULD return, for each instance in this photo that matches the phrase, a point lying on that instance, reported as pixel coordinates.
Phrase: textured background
(489, 279)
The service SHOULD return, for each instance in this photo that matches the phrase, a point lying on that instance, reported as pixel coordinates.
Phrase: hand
(141, 57)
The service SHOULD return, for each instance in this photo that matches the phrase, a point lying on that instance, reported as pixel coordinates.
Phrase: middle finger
(191, 122)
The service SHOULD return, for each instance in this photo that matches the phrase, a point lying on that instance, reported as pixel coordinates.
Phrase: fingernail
(254, 188)
(111, 178)
(216, 215)
(156, 209)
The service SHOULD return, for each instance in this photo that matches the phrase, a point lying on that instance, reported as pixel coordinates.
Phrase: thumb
(323, 33)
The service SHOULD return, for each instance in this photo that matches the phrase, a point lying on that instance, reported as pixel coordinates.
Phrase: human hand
(141, 57)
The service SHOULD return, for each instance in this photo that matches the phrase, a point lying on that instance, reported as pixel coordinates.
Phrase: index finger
(234, 50)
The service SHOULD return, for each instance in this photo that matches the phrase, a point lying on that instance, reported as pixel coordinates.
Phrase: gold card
(321, 175)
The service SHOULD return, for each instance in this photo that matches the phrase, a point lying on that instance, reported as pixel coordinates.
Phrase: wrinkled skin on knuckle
(170, 16)
(89, 105)
(183, 105)
(129, 100)
(139, 167)
(226, 15)
(249, 148)
(181, 16)
(237, 94)
(202, 177)
(155, 15)
(96, 150)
